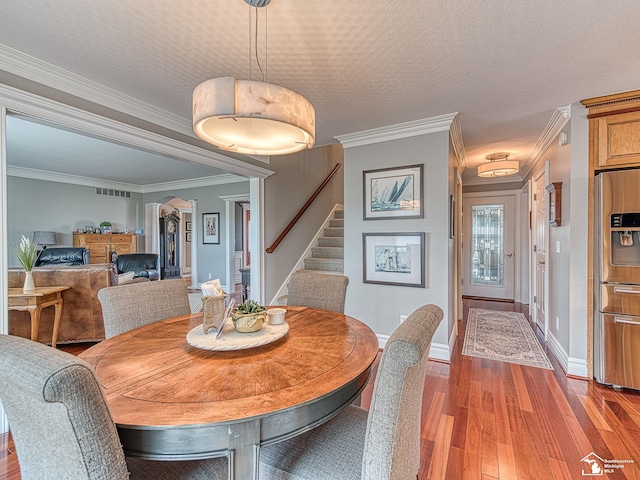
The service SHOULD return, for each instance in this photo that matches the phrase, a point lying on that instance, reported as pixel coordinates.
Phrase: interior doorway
(539, 254)
(488, 247)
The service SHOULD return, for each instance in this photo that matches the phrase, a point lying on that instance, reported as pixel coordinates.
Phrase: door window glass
(487, 245)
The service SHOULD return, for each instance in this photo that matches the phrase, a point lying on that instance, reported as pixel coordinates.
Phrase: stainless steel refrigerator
(617, 272)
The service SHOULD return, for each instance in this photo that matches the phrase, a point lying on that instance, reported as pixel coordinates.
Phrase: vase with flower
(26, 252)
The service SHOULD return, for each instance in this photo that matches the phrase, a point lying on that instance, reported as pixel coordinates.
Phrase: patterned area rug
(503, 336)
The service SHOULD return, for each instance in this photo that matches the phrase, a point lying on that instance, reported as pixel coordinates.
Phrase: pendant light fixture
(252, 117)
(498, 166)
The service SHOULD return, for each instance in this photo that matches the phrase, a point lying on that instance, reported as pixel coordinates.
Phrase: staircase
(328, 255)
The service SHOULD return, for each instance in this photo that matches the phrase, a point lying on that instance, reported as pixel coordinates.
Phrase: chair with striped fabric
(382, 443)
(126, 307)
(61, 425)
(318, 291)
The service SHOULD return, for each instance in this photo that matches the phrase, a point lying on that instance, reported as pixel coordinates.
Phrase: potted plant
(105, 227)
(26, 252)
(248, 317)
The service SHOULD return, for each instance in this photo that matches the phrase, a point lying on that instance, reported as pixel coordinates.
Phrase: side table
(34, 301)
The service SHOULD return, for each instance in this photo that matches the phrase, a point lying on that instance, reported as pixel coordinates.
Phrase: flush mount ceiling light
(252, 117)
(498, 166)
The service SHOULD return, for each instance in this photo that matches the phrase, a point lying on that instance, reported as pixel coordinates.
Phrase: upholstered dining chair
(61, 425)
(380, 444)
(126, 307)
(317, 290)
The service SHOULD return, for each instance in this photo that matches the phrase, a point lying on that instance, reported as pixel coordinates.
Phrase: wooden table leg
(56, 321)
(34, 313)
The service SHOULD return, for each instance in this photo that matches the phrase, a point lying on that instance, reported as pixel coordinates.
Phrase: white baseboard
(438, 351)
(558, 351)
(576, 367)
(382, 340)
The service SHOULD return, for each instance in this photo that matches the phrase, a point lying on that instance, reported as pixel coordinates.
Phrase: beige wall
(297, 176)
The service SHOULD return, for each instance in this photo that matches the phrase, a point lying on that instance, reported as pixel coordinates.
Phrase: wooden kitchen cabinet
(614, 124)
(101, 246)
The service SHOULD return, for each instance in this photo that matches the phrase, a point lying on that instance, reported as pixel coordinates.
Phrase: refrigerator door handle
(627, 320)
(627, 289)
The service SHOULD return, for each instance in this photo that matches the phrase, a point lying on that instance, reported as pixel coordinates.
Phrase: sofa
(81, 310)
(143, 265)
(62, 256)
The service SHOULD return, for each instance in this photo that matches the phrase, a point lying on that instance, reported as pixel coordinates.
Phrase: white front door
(488, 248)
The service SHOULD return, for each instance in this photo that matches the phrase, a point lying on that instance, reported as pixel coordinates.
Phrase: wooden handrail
(288, 228)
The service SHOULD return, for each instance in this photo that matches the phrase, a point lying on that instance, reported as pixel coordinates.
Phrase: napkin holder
(213, 309)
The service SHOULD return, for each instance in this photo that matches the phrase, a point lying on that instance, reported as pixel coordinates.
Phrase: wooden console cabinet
(101, 246)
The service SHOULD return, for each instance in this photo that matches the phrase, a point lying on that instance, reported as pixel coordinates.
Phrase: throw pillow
(125, 277)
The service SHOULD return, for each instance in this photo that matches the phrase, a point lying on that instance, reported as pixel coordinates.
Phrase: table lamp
(44, 238)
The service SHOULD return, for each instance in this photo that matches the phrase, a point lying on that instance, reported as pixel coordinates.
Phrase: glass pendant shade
(498, 166)
(251, 117)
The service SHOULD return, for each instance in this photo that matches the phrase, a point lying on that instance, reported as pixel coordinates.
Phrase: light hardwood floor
(485, 420)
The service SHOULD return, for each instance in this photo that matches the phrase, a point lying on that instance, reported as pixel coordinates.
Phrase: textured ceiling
(505, 65)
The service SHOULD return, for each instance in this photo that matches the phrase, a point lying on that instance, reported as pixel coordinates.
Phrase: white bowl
(276, 315)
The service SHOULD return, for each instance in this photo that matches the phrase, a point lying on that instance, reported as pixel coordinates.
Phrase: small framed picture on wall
(211, 228)
(394, 258)
(393, 193)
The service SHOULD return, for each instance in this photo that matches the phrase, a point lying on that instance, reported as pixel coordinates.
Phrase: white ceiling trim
(556, 123)
(34, 105)
(23, 65)
(440, 123)
(22, 172)
(458, 143)
(193, 183)
(33, 174)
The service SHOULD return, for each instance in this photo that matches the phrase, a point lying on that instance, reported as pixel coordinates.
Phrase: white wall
(579, 225)
(380, 306)
(567, 269)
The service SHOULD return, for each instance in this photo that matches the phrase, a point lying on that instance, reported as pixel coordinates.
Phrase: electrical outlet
(557, 323)
(558, 246)
(402, 318)
(209, 276)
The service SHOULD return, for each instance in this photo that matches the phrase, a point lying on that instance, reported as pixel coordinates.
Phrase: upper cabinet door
(619, 140)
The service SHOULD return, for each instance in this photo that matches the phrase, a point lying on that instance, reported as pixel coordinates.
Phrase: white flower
(26, 252)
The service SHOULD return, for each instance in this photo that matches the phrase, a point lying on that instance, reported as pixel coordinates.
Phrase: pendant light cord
(256, 46)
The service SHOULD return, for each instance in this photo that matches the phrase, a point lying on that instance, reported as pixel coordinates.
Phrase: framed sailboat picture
(394, 258)
(393, 193)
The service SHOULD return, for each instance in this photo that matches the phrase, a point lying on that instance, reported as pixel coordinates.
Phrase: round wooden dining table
(173, 401)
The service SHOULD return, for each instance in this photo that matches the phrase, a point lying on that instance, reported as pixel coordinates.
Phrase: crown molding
(556, 123)
(13, 171)
(193, 183)
(27, 103)
(440, 123)
(31, 68)
(458, 143)
(236, 197)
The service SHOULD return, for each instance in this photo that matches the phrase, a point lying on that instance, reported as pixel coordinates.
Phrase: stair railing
(288, 228)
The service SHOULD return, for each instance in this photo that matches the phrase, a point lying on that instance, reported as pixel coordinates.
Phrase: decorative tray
(230, 339)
